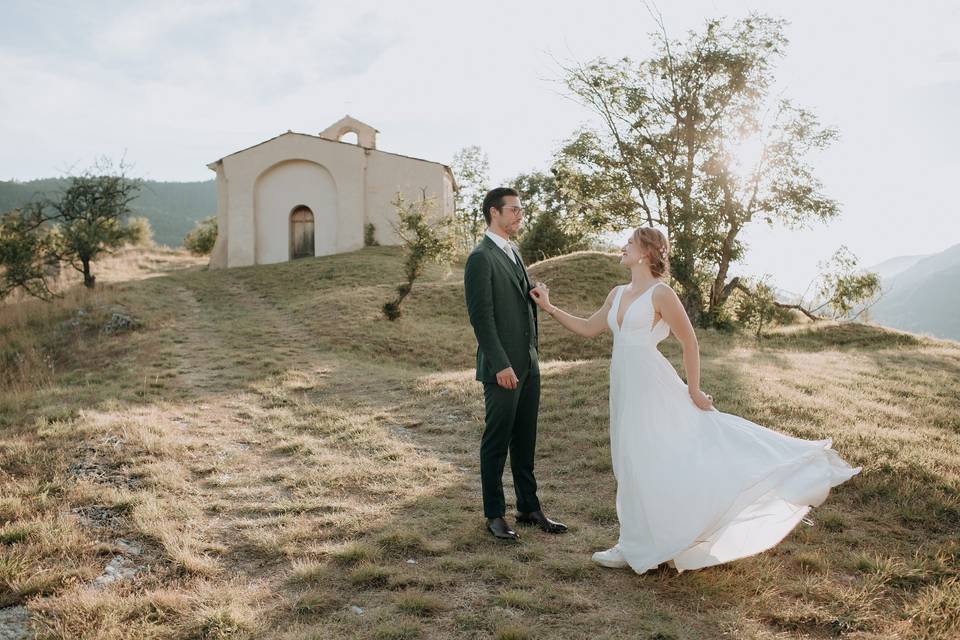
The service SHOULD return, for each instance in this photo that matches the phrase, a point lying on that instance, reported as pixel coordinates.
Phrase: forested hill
(171, 207)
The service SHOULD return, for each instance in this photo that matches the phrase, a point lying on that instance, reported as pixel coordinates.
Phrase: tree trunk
(693, 303)
(686, 242)
(799, 308)
(684, 274)
(721, 289)
(719, 298)
(88, 278)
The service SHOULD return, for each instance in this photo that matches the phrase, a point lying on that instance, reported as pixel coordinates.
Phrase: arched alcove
(350, 137)
(301, 232)
(279, 194)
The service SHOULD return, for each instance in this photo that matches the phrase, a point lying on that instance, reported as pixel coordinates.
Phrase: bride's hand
(702, 400)
(541, 295)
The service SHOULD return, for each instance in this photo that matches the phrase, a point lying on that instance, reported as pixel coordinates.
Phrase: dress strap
(616, 301)
(653, 327)
(615, 308)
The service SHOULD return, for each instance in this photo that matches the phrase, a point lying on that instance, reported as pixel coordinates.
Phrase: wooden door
(301, 233)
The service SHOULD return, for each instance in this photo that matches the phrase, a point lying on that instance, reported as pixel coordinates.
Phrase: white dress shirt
(504, 244)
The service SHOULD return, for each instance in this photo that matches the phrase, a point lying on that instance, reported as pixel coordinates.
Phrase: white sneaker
(612, 558)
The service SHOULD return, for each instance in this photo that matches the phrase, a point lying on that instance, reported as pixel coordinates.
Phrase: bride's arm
(587, 327)
(668, 305)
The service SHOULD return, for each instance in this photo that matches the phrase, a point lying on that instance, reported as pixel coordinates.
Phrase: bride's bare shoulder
(662, 291)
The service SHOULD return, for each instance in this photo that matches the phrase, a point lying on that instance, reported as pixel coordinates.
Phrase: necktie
(517, 264)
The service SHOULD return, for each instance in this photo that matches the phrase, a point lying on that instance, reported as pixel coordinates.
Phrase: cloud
(141, 29)
(235, 49)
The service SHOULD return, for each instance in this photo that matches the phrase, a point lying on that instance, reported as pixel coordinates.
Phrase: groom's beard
(510, 231)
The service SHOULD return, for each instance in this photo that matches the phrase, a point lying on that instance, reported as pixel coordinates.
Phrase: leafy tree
(201, 239)
(472, 170)
(89, 216)
(424, 241)
(24, 252)
(548, 230)
(684, 142)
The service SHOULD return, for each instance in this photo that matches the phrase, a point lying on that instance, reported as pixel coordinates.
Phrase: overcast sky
(175, 85)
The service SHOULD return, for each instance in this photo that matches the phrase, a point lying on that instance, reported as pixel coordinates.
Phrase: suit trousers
(511, 425)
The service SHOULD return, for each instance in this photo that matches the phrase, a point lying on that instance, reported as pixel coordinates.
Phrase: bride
(695, 487)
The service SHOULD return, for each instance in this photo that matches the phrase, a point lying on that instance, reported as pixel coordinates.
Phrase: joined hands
(541, 296)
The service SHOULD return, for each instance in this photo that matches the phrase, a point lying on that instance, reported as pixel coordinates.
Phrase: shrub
(201, 239)
(139, 232)
(370, 235)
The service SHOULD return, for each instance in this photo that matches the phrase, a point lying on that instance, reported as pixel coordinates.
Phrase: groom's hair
(494, 198)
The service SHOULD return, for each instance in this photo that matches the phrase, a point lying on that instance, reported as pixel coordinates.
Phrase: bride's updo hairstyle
(656, 249)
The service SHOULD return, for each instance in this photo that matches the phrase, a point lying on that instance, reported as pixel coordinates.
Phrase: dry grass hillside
(260, 455)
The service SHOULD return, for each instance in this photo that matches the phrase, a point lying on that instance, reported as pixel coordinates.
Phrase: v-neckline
(623, 288)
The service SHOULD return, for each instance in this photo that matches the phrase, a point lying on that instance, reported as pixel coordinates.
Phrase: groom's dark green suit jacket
(503, 315)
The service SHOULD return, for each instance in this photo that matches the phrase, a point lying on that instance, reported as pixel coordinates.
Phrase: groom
(504, 319)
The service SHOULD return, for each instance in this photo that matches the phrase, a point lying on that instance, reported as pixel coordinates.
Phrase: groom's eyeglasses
(517, 211)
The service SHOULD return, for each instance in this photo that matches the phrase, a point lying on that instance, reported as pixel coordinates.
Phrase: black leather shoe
(542, 521)
(500, 529)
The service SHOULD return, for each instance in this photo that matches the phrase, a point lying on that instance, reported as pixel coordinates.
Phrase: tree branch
(737, 284)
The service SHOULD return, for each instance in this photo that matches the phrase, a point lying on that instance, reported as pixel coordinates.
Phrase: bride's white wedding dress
(698, 487)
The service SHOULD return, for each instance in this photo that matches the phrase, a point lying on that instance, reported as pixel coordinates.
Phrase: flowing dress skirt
(702, 487)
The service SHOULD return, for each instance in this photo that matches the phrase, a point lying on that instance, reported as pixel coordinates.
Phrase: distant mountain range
(890, 268)
(921, 294)
(171, 207)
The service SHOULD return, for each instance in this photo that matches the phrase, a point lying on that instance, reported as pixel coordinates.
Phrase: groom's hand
(507, 378)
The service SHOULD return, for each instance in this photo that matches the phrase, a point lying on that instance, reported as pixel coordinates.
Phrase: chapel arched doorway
(301, 232)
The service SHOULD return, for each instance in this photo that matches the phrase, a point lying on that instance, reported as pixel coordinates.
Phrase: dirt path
(281, 451)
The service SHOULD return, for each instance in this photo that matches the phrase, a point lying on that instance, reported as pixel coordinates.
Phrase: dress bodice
(638, 326)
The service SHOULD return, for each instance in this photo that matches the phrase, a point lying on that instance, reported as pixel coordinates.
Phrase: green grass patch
(355, 552)
(397, 631)
(369, 576)
(418, 603)
(512, 632)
